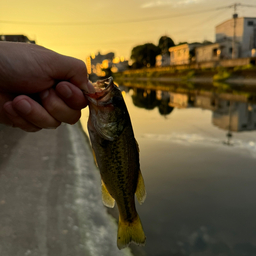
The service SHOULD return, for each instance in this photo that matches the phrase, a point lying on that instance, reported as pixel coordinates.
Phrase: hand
(30, 71)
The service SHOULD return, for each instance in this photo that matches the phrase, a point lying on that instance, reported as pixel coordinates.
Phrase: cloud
(156, 3)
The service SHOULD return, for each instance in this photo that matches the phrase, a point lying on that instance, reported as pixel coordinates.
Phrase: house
(119, 64)
(183, 53)
(94, 62)
(179, 100)
(162, 60)
(235, 116)
(216, 51)
(241, 30)
(16, 38)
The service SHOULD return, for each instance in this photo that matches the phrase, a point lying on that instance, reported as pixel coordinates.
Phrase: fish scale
(117, 156)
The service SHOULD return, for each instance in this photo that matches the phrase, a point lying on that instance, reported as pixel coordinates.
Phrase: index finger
(71, 95)
(72, 70)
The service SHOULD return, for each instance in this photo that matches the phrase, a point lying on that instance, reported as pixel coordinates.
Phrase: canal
(198, 157)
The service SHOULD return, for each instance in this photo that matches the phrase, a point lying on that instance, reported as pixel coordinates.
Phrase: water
(198, 157)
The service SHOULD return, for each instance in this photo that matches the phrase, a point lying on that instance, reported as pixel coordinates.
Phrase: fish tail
(130, 232)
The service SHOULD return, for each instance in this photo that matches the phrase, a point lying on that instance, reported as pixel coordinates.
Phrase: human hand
(28, 71)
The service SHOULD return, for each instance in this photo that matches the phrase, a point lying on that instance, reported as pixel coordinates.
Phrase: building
(217, 51)
(241, 30)
(162, 60)
(95, 63)
(119, 64)
(183, 54)
(16, 38)
(179, 100)
(235, 116)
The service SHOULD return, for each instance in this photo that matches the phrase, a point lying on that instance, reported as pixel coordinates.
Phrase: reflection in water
(231, 112)
(164, 105)
(149, 99)
(201, 193)
(187, 139)
(144, 98)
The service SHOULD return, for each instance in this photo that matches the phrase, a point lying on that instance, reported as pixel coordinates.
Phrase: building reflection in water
(230, 112)
(150, 99)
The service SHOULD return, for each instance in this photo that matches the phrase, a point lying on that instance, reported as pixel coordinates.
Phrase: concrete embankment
(205, 80)
(237, 76)
(50, 198)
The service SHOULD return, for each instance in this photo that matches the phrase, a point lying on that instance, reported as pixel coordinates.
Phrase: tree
(144, 55)
(164, 44)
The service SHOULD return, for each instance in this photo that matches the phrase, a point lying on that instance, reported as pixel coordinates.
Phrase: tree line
(145, 55)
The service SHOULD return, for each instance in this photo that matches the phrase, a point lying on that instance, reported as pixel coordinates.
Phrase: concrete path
(50, 199)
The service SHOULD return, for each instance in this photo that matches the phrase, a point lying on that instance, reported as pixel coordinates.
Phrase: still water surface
(198, 159)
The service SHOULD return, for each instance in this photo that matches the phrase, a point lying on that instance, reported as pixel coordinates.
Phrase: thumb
(72, 70)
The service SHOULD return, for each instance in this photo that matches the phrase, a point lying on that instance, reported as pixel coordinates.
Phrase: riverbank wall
(237, 71)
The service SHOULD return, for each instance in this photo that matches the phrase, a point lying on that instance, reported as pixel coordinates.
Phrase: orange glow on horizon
(81, 28)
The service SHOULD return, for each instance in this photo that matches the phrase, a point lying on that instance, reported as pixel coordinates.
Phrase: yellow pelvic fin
(137, 145)
(94, 156)
(130, 232)
(107, 199)
(140, 190)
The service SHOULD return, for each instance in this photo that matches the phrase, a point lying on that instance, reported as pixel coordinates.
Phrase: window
(215, 52)
(230, 50)
(250, 23)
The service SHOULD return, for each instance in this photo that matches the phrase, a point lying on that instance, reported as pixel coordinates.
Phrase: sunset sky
(81, 27)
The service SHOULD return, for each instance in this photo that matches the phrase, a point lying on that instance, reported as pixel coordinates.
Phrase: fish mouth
(102, 94)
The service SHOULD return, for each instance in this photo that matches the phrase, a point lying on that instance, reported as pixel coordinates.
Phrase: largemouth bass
(116, 153)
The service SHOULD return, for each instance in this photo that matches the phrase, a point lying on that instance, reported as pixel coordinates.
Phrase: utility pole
(235, 16)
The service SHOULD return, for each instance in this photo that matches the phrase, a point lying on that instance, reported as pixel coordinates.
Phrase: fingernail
(65, 91)
(23, 106)
(44, 94)
(90, 87)
(9, 109)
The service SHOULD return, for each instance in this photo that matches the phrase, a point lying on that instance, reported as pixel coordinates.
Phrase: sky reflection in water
(200, 182)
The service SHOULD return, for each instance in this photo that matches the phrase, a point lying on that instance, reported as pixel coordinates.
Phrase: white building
(235, 116)
(216, 51)
(182, 54)
(178, 100)
(162, 60)
(244, 29)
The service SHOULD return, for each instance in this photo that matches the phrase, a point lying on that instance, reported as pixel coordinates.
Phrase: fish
(116, 153)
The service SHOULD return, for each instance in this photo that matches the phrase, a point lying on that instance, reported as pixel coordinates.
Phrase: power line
(235, 16)
(212, 17)
(235, 5)
(202, 22)
(105, 22)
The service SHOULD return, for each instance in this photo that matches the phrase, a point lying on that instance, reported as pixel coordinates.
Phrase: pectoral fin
(137, 145)
(94, 156)
(107, 199)
(140, 191)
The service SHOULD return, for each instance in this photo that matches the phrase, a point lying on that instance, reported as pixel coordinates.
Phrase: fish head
(108, 111)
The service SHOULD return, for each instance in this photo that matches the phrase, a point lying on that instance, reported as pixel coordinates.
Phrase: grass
(222, 74)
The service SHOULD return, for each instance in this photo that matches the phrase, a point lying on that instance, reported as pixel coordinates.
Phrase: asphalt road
(50, 199)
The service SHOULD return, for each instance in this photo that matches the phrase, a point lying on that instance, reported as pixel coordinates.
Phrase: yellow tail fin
(130, 232)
